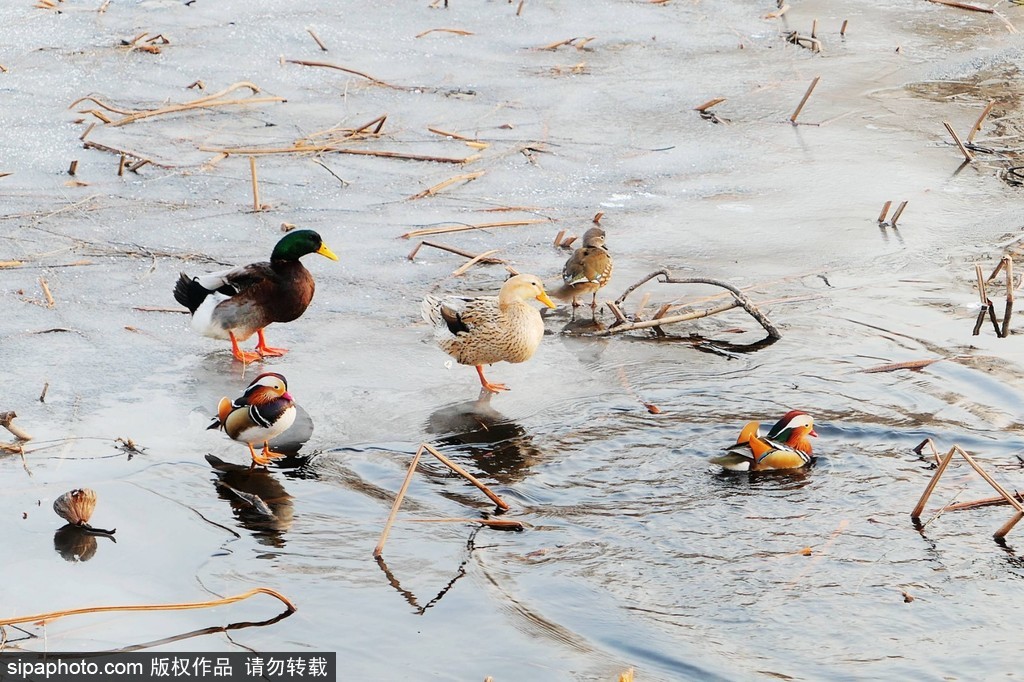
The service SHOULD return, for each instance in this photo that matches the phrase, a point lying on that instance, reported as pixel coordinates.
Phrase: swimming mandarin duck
(588, 269)
(237, 303)
(487, 329)
(787, 445)
(263, 412)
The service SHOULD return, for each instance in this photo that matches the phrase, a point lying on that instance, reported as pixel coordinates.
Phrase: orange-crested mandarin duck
(488, 329)
(787, 445)
(263, 412)
(237, 303)
(588, 269)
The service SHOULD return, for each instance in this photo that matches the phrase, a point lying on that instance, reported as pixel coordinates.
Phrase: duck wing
(238, 279)
(591, 264)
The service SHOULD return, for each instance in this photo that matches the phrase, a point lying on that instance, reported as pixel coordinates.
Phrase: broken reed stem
(456, 31)
(803, 101)
(397, 503)
(468, 476)
(7, 421)
(956, 138)
(842, 31)
(885, 210)
(316, 38)
(53, 615)
(255, 185)
(988, 479)
(941, 469)
(73, 168)
(473, 261)
(328, 65)
(46, 292)
(121, 164)
(334, 149)
(1009, 278)
(430, 191)
(558, 238)
(710, 103)
(983, 502)
(42, 396)
(898, 213)
(503, 524)
(977, 124)
(456, 251)
(814, 29)
(982, 291)
(479, 226)
(961, 5)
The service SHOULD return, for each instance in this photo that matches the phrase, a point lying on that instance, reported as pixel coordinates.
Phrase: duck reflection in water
(498, 446)
(256, 495)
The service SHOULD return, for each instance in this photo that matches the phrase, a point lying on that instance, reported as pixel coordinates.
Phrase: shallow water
(637, 552)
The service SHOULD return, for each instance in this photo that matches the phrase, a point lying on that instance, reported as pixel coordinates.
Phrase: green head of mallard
(299, 243)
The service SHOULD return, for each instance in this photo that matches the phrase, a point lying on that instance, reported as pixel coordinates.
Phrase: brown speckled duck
(263, 412)
(487, 329)
(235, 304)
(588, 269)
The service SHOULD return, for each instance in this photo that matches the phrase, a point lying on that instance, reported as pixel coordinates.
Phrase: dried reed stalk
(397, 503)
(459, 252)
(842, 30)
(456, 31)
(42, 618)
(46, 292)
(7, 421)
(479, 226)
(473, 261)
(885, 210)
(956, 138)
(328, 65)
(316, 38)
(898, 213)
(977, 124)
(962, 5)
(710, 103)
(334, 149)
(468, 476)
(500, 524)
(431, 191)
(456, 136)
(256, 206)
(73, 168)
(983, 502)
(982, 290)
(803, 101)
(910, 364)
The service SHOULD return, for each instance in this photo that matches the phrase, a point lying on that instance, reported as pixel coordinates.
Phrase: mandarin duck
(588, 269)
(263, 412)
(237, 303)
(488, 329)
(787, 445)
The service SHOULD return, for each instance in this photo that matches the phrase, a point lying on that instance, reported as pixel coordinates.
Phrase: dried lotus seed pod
(76, 507)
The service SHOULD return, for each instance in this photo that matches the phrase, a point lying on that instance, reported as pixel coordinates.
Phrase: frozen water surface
(638, 553)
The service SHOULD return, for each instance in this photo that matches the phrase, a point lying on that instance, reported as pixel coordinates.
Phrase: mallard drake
(263, 412)
(237, 303)
(487, 329)
(787, 445)
(588, 269)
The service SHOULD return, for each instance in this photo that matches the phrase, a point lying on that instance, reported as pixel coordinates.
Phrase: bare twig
(468, 476)
(473, 261)
(430, 191)
(963, 5)
(482, 258)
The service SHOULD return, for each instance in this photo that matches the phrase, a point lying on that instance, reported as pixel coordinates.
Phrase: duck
(786, 446)
(588, 269)
(487, 329)
(263, 412)
(237, 303)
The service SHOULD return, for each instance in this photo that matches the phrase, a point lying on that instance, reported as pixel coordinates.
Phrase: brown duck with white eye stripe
(588, 269)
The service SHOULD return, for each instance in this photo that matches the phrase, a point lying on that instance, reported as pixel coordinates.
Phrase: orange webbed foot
(266, 457)
(488, 386)
(267, 351)
(241, 355)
